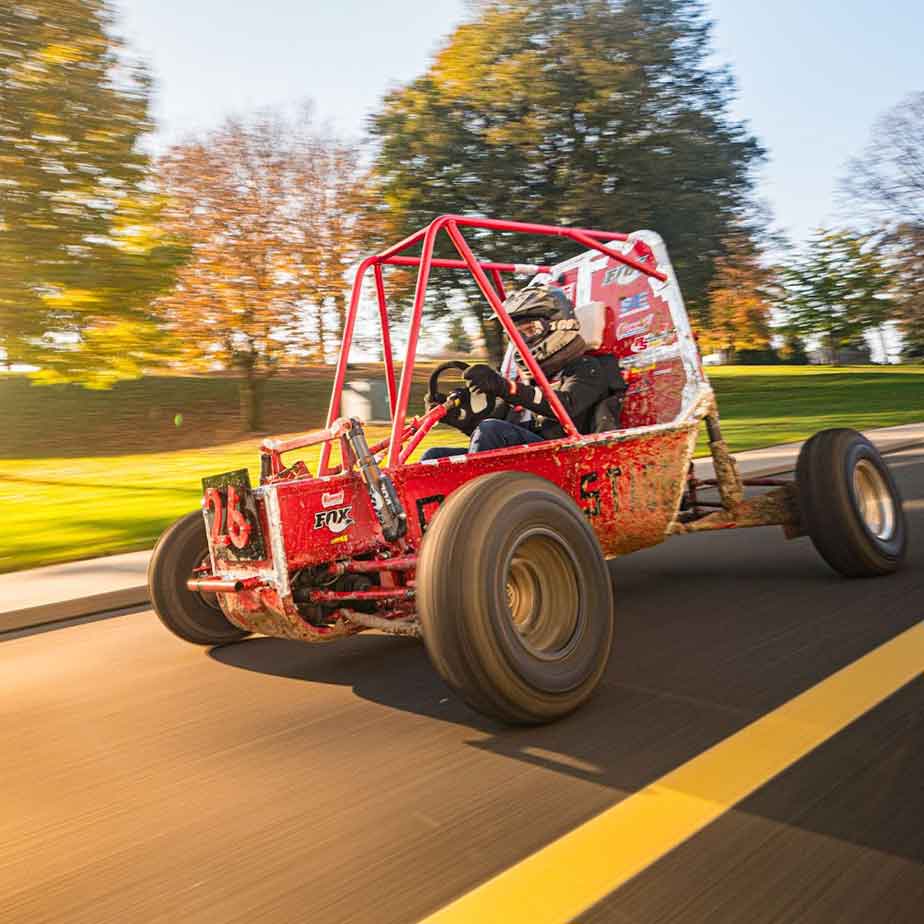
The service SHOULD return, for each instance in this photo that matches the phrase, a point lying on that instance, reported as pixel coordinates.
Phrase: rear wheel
(515, 599)
(850, 505)
(192, 616)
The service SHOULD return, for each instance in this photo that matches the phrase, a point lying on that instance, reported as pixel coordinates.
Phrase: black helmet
(542, 301)
(545, 317)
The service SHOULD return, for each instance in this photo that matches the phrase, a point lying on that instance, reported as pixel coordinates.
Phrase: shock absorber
(385, 502)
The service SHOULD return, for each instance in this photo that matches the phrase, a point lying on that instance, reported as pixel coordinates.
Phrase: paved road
(145, 780)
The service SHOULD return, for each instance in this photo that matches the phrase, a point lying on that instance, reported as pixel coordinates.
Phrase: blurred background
(186, 187)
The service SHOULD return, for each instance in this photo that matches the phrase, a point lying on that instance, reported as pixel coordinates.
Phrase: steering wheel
(469, 408)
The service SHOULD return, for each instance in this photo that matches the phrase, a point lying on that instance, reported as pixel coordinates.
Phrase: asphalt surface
(146, 780)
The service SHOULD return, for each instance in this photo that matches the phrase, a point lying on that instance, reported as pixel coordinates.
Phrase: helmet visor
(532, 329)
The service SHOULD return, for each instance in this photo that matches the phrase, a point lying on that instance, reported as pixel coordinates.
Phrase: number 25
(238, 526)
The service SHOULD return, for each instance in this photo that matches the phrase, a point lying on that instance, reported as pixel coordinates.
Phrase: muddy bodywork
(336, 552)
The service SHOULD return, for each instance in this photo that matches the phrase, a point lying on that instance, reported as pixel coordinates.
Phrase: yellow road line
(567, 877)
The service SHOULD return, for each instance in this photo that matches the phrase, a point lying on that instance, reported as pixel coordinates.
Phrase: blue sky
(812, 74)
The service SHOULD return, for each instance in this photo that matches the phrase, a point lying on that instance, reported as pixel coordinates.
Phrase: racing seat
(598, 326)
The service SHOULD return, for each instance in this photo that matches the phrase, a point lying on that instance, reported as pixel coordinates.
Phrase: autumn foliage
(739, 301)
(268, 207)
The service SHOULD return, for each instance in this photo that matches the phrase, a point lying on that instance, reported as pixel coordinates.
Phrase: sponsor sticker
(665, 338)
(634, 328)
(619, 275)
(632, 304)
(639, 345)
(336, 520)
(332, 500)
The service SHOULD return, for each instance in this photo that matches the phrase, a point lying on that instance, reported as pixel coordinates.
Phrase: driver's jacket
(580, 386)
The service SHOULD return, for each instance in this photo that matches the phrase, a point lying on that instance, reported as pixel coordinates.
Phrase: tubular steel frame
(494, 292)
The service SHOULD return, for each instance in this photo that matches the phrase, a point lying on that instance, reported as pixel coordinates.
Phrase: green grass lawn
(81, 501)
(764, 405)
(72, 508)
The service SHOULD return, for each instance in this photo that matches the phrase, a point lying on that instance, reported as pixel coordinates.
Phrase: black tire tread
(828, 512)
(177, 552)
(447, 585)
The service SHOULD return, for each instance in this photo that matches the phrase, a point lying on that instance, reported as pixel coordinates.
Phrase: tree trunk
(494, 340)
(251, 393)
(341, 308)
(322, 334)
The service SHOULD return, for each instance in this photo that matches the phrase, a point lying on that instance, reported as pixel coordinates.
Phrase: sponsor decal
(632, 304)
(619, 275)
(332, 500)
(339, 539)
(336, 520)
(665, 338)
(634, 328)
(651, 341)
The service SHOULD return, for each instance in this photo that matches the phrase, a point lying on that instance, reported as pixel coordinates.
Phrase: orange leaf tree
(268, 206)
(739, 304)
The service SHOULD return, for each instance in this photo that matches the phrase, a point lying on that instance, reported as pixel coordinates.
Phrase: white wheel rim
(874, 500)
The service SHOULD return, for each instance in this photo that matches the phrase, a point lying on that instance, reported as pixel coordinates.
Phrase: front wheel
(194, 617)
(850, 505)
(514, 599)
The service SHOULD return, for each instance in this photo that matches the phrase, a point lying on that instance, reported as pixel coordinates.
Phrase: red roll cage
(399, 393)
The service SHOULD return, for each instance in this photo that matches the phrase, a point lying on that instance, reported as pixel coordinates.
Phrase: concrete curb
(34, 616)
(777, 470)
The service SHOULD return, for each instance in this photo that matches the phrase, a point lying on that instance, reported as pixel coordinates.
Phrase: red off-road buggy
(498, 560)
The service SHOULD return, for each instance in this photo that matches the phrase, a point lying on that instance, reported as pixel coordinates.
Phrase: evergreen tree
(599, 113)
(836, 290)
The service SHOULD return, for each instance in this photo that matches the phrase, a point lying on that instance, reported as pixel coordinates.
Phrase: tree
(794, 352)
(739, 303)
(889, 177)
(837, 289)
(267, 207)
(459, 340)
(80, 252)
(906, 252)
(604, 113)
(889, 181)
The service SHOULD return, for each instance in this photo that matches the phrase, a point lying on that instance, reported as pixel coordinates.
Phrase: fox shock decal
(385, 502)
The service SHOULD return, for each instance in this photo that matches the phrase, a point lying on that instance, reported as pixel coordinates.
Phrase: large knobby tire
(514, 598)
(193, 617)
(849, 504)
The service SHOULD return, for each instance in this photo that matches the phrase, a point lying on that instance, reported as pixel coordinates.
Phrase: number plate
(232, 518)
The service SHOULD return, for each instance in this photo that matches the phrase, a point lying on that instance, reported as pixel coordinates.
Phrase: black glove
(454, 415)
(486, 380)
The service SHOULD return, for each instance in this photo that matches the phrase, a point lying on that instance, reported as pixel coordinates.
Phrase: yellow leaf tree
(739, 303)
(268, 208)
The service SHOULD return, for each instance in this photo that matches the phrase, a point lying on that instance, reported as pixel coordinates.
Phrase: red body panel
(628, 483)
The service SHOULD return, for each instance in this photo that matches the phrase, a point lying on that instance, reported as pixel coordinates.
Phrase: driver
(545, 317)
